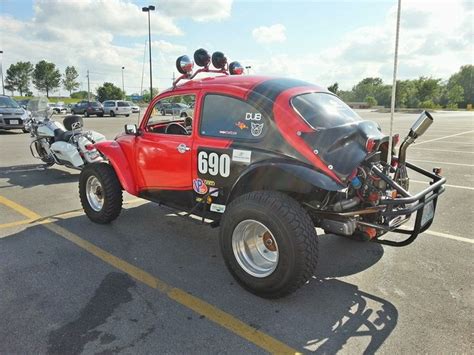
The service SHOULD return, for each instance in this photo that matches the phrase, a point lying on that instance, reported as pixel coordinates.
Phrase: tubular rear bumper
(423, 204)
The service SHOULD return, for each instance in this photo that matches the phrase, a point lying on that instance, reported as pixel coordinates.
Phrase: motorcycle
(59, 143)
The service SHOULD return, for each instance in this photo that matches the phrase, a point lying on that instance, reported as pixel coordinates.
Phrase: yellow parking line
(199, 306)
(17, 223)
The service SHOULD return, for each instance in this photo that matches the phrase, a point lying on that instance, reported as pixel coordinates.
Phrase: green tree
(455, 94)
(46, 77)
(69, 79)
(334, 88)
(370, 100)
(428, 89)
(406, 95)
(367, 87)
(18, 76)
(464, 78)
(383, 95)
(146, 94)
(109, 91)
(80, 95)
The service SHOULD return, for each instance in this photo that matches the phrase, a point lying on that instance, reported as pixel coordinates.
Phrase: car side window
(172, 115)
(225, 116)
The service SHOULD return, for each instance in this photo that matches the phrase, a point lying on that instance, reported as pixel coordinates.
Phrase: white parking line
(454, 186)
(444, 150)
(442, 162)
(437, 139)
(450, 236)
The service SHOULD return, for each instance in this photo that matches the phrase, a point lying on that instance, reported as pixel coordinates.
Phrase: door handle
(183, 148)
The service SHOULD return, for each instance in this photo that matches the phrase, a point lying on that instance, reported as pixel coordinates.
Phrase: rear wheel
(100, 115)
(269, 243)
(73, 112)
(127, 115)
(86, 113)
(100, 193)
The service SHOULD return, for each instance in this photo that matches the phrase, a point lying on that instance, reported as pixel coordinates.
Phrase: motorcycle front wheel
(45, 158)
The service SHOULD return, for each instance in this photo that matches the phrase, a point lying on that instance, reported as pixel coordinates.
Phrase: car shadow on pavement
(324, 316)
(30, 175)
(9, 132)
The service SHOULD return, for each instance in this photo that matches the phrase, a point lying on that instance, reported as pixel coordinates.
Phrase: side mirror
(131, 129)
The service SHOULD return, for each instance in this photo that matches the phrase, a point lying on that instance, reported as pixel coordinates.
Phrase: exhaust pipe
(419, 127)
(417, 130)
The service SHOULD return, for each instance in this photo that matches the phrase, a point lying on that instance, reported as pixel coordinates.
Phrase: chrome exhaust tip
(420, 126)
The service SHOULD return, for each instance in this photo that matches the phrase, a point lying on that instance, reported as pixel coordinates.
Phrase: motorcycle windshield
(340, 135)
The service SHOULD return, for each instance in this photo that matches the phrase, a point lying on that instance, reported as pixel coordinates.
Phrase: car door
(163, 149)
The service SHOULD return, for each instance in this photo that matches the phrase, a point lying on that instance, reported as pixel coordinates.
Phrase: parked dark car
(12, 115)
(88, 109)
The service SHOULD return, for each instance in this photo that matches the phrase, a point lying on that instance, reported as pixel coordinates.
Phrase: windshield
(323, 110)
(6, 102)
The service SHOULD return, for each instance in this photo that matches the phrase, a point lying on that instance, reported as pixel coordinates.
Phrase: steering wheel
(176, 128)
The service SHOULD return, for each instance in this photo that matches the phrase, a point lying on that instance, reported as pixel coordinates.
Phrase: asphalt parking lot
(153, 282)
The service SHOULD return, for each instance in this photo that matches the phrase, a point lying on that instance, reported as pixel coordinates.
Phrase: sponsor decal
(214, 191)
(199, 186)
(229, 133)
(249, 116)
(241, 156)
(257, 129)
(215, 207)
(213, 164)
(209, 182)
(241, 125)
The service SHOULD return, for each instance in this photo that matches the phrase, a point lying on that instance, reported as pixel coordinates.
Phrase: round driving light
(184, 64)
(202, 57)
(235, 68)
(219, 60)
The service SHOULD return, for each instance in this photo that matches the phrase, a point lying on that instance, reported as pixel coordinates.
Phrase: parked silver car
(117, 107)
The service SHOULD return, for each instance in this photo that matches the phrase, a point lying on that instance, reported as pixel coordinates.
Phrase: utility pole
(88, 87)
(1, 72)
(123, 87)
(148, 9)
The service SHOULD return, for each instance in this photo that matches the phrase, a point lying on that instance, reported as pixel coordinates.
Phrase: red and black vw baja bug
(267, 160)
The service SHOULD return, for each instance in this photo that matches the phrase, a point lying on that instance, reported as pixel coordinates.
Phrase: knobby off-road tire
(289, 227)
(100, 192)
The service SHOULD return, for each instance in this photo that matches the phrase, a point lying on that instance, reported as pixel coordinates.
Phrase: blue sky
(319, 41)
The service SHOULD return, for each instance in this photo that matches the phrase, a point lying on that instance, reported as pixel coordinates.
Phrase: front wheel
(112, 114)
(269, 243)
(127, 115)
(86, 113)
(100, 192)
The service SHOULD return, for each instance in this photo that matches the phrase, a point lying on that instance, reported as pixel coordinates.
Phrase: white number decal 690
(214, 164)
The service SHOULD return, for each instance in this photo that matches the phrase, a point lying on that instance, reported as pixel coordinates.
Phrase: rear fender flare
(284, 177)
(114, 154)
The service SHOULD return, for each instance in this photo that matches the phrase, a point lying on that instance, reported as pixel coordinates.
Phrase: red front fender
(116, 157)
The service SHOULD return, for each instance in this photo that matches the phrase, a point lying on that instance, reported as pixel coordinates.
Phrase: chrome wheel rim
(94, 193)
(255, 248)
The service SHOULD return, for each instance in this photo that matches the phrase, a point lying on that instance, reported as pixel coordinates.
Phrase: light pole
(394, 84)
(248, 67)
(148, 9)
(123, 86)
(1, 72)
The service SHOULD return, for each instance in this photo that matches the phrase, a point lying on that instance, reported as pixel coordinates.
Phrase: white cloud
(269, 34)
(435, 40)
(200, 11)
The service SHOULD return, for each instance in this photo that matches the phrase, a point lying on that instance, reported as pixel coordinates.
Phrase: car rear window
(323, 110)
(225, 116)
(95, 104)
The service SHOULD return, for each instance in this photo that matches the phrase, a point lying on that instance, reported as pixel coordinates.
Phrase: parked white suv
(117, 107)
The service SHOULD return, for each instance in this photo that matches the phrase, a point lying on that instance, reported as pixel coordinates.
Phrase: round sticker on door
(199, 186)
